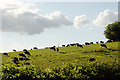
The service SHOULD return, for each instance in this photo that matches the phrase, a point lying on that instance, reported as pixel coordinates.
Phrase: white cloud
(105, 18)
(20, 17)
(80, 21)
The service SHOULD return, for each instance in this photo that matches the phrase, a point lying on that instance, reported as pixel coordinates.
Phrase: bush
(93, 71)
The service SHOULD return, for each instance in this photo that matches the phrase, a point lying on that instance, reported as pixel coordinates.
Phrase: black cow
(57, 50)
(91, 59)
(26, 52)
(72, 44)
(5, 54)
(96, 42)
(53, 48)
(103, 45)
(21, 54)
(79, 45)
(101, 41)
(68, 45)
(14, 50)
(24, 49)
(87, 43)
(63, 45)
(21, 58)
(35, 48)
(91, 43)
(15, 60)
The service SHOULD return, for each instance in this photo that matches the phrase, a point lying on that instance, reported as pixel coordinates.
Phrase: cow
(21, 58)
(96, 42)
(72, 44)
(24, 49)
(101, 41)
(63, 45)
(86, 43)
(79, 45)
(68, 45)
(91, 43)
(26, 52)
(57, 50)
(91, 59)
(14, 50)
(5, 54)
(21, 54)
(35, 48)
(103, 45)
(53, 48)
(15, 60)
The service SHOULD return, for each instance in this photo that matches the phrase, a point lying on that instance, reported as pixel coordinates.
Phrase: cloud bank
(24, 18)
(80, 21)
(106, 17)
(19, 17)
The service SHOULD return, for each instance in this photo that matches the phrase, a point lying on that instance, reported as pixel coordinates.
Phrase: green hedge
(93, 71)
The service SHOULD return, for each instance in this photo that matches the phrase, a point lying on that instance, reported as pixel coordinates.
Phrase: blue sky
(61, 29)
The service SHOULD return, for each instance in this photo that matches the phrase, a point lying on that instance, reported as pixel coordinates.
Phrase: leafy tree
(112, 31)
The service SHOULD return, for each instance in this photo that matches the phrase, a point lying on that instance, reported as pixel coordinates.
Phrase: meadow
(46, 59)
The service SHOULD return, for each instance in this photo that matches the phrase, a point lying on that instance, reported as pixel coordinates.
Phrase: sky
(25, 25)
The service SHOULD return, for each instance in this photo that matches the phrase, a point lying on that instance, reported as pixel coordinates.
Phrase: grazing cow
(24, 49)
(72, 44)
(91, 59)
(35, 48)
(57, 50)
(63, 45)
(91, 43)
(52, 48)
(68, 45)
(21, 54)
(15, 60)
(26, 52)
(96, 42)
(14, 50)
(21, 58)
(5, 54)
(79, 45)
(101, 41)
(103, 45)
(87, 43)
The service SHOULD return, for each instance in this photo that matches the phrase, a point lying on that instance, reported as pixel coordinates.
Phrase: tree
(112, 31)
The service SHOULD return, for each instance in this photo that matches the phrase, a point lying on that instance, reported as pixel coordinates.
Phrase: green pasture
(46, 58)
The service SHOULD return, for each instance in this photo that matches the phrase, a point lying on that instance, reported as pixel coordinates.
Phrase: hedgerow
(94, 71)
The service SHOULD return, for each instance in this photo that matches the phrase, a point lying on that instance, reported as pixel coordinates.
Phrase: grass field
(46, 58)
(68, 64)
